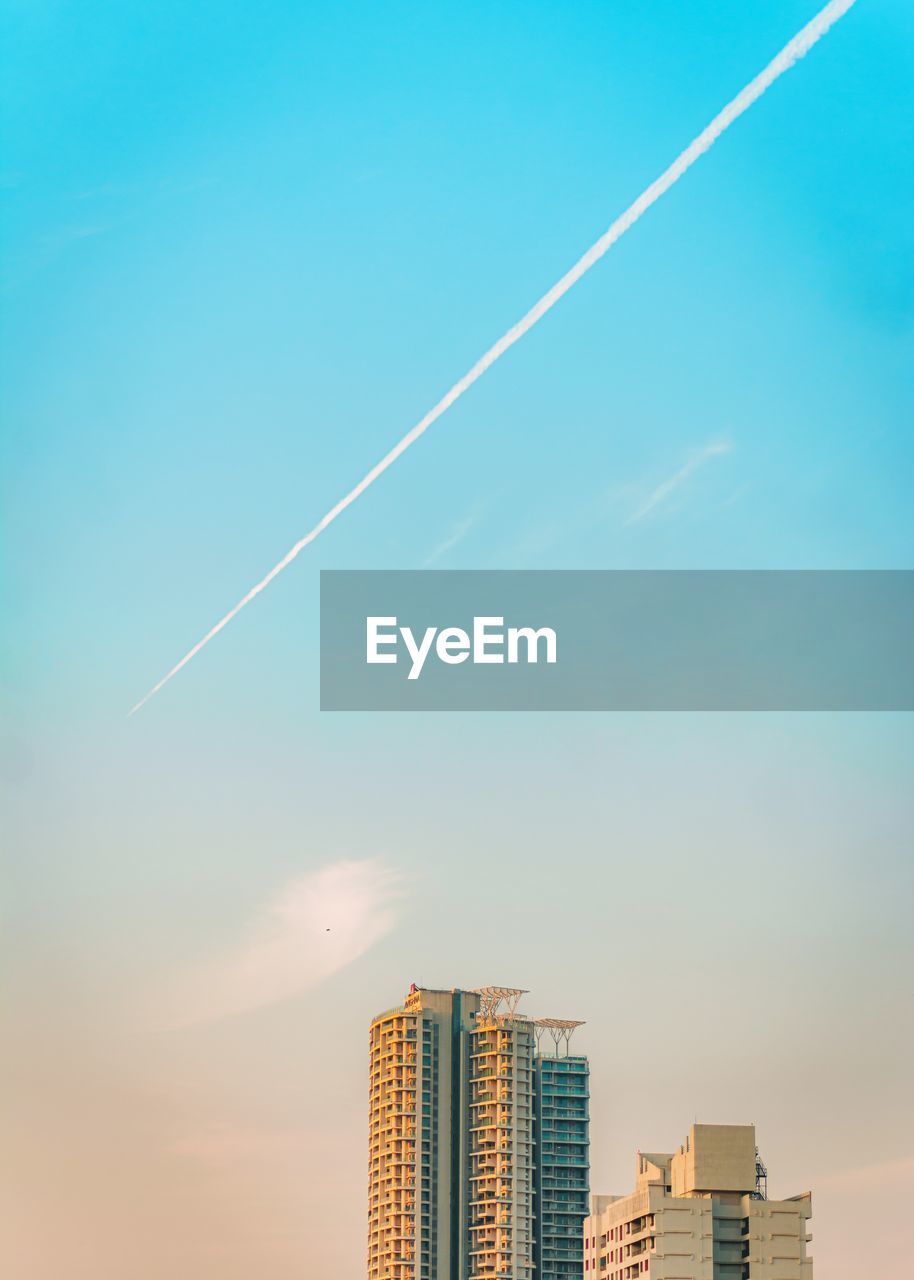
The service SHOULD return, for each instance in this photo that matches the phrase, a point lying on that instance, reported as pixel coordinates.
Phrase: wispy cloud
(121, 190)
(669, 486)
(872, 1177)
(55, 242)
(457, 534)
(319, 923)
(792, 52)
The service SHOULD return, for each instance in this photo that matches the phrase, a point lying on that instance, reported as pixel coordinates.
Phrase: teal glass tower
(561, 1190)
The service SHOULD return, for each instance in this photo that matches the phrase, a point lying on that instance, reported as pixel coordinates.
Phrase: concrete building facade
(701, 1213)
(501, 1147)
(417, 1192)
(458, 1091)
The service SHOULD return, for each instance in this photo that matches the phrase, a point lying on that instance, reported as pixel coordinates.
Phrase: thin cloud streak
(318, 924)
(663, 491)
(792, 52)
(897, 1173)
(457, 535)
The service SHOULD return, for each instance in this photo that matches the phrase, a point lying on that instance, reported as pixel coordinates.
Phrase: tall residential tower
(478, 1160)
(562, 1181)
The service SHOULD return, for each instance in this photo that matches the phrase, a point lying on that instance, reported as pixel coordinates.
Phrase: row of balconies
(484, 1048)
(394, 1038)
(501, 1196)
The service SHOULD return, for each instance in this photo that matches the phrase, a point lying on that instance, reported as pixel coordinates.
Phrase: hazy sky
(245, 248)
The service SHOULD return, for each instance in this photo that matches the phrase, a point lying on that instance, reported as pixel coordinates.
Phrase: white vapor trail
(795, 49)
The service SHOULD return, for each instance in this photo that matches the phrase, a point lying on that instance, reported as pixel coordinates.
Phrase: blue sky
(243, 256)
(244, 250)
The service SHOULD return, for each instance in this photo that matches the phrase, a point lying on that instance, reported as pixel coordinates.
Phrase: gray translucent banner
(618, 641)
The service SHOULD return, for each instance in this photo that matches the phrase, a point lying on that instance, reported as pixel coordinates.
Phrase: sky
(244, 250)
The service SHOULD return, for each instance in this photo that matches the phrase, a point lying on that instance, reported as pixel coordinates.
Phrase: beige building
(415, 1201)
(501, 1146)
(701, 1213)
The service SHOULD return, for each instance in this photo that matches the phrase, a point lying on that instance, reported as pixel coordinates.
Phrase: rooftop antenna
(560, 1031)
(498, 1002)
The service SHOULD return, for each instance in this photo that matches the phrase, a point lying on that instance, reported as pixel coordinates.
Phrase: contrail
(795, 49)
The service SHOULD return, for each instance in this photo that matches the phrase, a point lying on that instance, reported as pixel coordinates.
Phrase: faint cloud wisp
(880, 1177)
(456, 535)
(318, 924)
(670, 485)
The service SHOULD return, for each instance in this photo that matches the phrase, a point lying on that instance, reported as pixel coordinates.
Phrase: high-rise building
(701, 1213)
(473, 1133)
(562, 1179)
(417, 1157)
(501, 1146)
